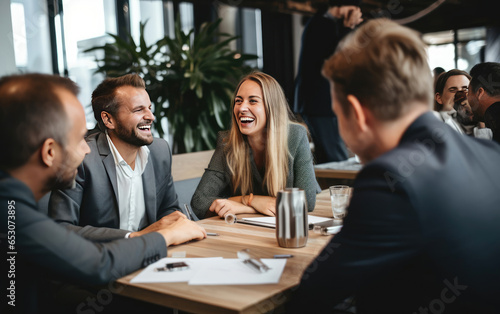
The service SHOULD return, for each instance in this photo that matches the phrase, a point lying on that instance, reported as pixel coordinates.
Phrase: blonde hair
(278, 116)
(385, 66)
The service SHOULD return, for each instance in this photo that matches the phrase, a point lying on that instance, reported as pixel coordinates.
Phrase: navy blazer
(91, 208)
(422, 230)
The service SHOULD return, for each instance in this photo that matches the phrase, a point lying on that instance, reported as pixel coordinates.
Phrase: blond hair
(385, 66)
(279, 117)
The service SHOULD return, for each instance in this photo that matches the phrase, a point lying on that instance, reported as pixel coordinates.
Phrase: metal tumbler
(291, 218)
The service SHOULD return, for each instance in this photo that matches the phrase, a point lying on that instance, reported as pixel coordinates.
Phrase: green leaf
(218, 109)
(188, 138)
(199, 91)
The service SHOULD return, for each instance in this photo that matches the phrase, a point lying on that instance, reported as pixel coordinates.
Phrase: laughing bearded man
(124, 187)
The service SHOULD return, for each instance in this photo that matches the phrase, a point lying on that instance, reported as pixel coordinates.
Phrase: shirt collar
(140, 161)
(452, 113)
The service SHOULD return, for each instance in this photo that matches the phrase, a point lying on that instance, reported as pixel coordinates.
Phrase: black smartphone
(173, 267)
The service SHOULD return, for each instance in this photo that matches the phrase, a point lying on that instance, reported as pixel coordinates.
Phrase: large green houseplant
(190, 79)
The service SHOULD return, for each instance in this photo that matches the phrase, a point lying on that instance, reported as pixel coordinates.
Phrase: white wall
(8, 61)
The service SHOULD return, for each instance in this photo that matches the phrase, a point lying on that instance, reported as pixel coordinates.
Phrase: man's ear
(480, 93)
(360, 117)
(49, 151)
(108, 120)
(437, 97)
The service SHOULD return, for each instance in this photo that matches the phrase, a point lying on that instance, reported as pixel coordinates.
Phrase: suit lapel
(149, 186)
(109, 163)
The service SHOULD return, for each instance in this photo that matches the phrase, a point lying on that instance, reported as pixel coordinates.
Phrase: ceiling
(450, 14)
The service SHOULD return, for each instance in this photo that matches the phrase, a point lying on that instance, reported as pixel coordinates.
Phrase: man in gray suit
(43, 127)
(124, 185)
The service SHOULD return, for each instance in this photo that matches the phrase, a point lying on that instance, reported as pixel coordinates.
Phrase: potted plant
(190, 79)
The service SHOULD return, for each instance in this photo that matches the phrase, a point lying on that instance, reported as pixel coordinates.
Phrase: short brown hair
(384, 65)
(104, 96)
(31, 112)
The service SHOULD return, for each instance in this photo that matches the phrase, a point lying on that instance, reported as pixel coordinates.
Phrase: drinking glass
(340, 195)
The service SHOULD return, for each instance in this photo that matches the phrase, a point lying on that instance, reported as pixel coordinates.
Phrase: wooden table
(336, 173)
(339, 172)
(346, 169)
(233, 298)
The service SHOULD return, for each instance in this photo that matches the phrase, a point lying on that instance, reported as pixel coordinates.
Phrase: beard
(65, 177)
(63, 184)
(131, 136)
(466, 119)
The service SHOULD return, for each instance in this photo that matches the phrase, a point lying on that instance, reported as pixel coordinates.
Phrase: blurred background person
(321, 36)
(484, 95)
(447, 84)
(263, 152)
(467, 120)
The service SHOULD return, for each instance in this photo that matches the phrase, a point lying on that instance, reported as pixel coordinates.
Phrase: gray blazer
(91, 208)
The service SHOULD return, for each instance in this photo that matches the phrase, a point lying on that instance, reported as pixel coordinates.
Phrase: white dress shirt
(448, 117)
(131, 203)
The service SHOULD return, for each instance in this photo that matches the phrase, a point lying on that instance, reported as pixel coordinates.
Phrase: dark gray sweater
(216, 181)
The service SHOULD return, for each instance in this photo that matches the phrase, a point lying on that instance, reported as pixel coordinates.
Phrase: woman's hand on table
(223, 207)
(264, 204)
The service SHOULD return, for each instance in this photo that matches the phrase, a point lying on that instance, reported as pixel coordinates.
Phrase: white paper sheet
(271, 221)
(333, 229)
(150, 275)
(212, 271)
(235, 272)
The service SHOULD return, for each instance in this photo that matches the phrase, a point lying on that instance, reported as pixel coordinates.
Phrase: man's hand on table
(175, 228)
(162, 223)
(181, 231)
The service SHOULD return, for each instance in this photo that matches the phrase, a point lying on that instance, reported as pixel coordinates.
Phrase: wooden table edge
(336, 174)
(136, 291)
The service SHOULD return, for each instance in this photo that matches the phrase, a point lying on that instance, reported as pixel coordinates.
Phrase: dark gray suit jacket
(422, 231)
(47, 251)
(91, 208)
